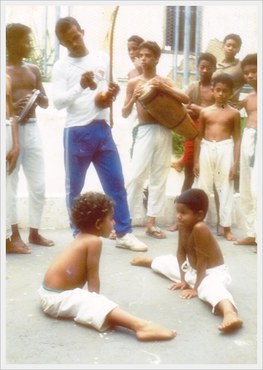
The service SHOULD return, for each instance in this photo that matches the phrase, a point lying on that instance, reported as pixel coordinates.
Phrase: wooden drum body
(168, 112)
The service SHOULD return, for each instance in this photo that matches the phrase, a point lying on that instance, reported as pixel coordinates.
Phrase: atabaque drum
(168, 111)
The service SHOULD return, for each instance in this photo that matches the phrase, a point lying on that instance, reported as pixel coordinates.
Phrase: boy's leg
(231, 320)
(75, 165)
(142, 261)
(144, 330)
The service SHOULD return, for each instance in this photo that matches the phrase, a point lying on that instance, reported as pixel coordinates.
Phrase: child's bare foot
(40, 240)
(16, 248)
(172, 228)
(231, 322)
(141, 261)
(228, 234)
(220, 230)
(178, 166)
(246, 241)
(150, 332)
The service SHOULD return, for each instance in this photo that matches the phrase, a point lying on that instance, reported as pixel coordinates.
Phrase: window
(171, 26)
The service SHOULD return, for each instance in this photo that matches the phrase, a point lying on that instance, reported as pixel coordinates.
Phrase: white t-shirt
(67, 92)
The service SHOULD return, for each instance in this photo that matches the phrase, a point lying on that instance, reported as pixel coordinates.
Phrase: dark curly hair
(14, 33)
(90, 207)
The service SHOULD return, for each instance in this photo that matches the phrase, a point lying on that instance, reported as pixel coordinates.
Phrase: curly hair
(14, 33)
(90, 207)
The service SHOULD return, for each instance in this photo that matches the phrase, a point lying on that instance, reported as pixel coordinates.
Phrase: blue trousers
(88, 144)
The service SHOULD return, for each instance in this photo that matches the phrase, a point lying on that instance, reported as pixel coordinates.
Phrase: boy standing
(12, 152)
(62, 293)
(153, 142)
(198, 268)
(217, 150)
(232, 65)
(134, 42)
(88, 135)
(25, 79)
(248, 152)
(200, 95)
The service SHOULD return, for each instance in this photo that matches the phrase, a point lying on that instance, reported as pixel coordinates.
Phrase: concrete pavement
(33, 340)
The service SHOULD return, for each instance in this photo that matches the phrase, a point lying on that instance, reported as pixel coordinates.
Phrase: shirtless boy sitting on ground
(62, 293)
(198, 269)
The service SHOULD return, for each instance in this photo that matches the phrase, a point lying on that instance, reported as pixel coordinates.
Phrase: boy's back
(73, 267)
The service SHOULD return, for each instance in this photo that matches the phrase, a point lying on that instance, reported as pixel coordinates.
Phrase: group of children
(212, 161)
(71, 285)
(198, 267)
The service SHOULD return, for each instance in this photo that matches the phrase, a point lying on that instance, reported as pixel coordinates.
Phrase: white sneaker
(129, 241)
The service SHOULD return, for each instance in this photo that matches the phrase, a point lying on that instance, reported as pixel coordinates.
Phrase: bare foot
(141, 261)
(40, 240)
(178, 166)
(16, 249)
(246, 241)
(231, 322)
(228, 235)
(219, 230)
(172, 228)
(150, 331)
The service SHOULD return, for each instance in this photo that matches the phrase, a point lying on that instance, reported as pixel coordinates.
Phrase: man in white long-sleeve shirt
(81, 85)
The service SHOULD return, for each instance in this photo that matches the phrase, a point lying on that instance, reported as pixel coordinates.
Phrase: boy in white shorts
(198, 269)
(62, 293)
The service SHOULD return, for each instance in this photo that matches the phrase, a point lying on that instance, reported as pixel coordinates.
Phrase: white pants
(9, 145)
(32, 160)
(247, 181)
(83, 306)
(216, 160)
(151, 157)
(213, 287)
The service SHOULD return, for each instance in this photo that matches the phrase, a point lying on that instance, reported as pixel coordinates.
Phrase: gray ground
(36, 340)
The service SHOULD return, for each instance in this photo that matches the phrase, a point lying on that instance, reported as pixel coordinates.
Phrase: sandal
(156, 232)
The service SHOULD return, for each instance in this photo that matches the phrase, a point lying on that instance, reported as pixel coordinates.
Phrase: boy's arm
(168, 87)
(202, 237)
(93, 258)
(42, 99)
(181, 258)
(197, 143)
(12, 155)
(129, 99)
(62, 95)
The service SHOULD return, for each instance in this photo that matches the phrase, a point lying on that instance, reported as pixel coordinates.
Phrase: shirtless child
(133, 44)
(248, 153)
(62, 293)
(198, 269)
(152, 148)
(200, 95)
(26, 79)
(12, 152)
(217, 150)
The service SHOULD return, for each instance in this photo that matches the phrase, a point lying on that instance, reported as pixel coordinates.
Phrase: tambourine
(28, 107)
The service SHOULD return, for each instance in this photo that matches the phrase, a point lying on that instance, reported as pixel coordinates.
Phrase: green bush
(178, 144)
